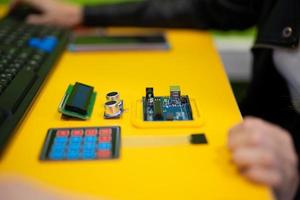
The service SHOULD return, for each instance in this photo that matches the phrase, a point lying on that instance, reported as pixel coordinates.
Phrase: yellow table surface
(162, 172)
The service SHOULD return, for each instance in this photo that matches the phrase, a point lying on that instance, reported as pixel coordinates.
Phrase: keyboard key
(48, 44)
(16, 90)
(1, 88)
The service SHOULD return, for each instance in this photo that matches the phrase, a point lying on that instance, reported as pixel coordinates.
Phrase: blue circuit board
(165, 108)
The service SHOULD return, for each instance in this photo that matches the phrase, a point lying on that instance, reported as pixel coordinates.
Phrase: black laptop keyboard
(27, 53)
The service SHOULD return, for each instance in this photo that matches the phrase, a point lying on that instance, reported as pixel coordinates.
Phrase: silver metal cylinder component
(112, 109)
(113, 96)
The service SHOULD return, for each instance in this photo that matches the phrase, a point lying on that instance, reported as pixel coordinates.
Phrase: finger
(259, 139)
(234, 135)
(38, 19)
(240, 133)
(250, 157)
(282, 136)
(255, 132)
(241, 136)
(264, 176)
(281, 141)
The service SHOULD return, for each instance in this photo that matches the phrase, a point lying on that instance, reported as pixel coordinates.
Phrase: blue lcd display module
(79, 98)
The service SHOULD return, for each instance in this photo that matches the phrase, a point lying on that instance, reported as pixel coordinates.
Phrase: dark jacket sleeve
(202, 14)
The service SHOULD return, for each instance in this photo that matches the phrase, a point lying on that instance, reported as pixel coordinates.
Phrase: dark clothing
(277, 22)
(274, 18)
(268, 96)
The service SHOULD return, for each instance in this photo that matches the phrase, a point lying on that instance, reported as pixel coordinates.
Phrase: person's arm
(265, 153)
(53, 12)
(202, 14)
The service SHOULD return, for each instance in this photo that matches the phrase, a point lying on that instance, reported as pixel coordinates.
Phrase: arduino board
(175, 107)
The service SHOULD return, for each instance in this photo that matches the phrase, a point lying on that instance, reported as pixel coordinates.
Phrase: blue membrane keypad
(92, 143)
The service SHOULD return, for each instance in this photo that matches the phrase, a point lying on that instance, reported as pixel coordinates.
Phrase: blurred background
(234, 48)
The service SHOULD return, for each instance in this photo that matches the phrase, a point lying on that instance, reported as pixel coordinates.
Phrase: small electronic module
(78, 101)
(175, 107)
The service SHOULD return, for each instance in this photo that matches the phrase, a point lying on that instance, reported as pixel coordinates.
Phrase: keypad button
(90, 139)
(104, 154)
(104, 139)
(57, 153)
(62, 133)
(55, 156)
(58, 149)
(60, 140)
(73, 155)
(89, 146)
(75, 140)
(105, 132)
(91, 132)
(74, 146)
(104, 146)
(88, 154)
(77, 132)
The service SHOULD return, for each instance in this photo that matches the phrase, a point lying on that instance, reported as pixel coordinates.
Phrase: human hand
(54, 12)
(264, 153)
